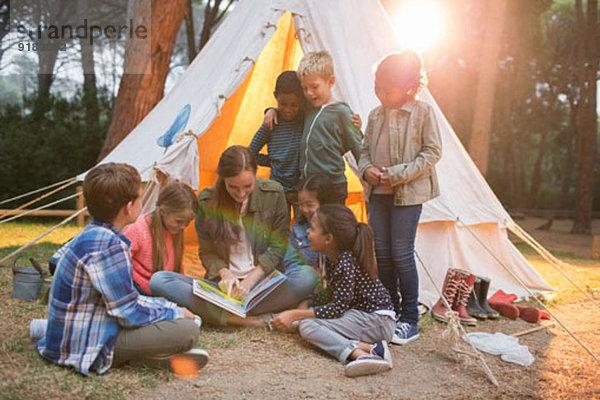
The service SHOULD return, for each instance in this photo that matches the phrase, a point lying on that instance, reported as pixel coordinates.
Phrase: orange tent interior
(242, 115)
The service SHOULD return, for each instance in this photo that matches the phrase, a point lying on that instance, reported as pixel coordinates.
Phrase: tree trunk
(146, 67)
(536, 176)
(190, 32)
(211, 19)
(484, 99)
(48, 52)
(586, 145)
(570, 134)
(90, 92)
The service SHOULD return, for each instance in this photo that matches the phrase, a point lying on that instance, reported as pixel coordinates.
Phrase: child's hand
(270, 118)
(283, 320)
(385, 178)
(373, 175)
(356, 121)
(304, 304)
(187, 313)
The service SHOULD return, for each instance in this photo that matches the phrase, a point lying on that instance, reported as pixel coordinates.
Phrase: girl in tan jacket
(401, 146)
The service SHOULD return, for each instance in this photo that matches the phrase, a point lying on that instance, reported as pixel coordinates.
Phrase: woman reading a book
(242, 228)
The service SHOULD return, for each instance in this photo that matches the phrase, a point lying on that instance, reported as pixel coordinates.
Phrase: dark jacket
(266, 224)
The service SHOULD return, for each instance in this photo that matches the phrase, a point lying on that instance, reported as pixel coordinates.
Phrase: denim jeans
(299, 285)
(395, 229)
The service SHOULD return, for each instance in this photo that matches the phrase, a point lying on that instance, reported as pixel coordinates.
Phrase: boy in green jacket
(328, 128)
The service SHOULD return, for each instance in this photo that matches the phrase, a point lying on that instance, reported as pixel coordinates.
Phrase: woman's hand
(228, 282)
(270, 118)
(373, 175)
(250, 281)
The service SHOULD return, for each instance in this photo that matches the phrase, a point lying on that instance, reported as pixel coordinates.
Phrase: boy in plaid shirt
(96, 318)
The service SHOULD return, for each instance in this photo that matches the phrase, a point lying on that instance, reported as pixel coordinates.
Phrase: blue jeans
(395, 229)
(299, 285)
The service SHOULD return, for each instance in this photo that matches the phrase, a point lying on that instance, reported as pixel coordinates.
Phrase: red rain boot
(505, 309)
(462, 297)
(449, 290)
(529, 314)
(501, 297)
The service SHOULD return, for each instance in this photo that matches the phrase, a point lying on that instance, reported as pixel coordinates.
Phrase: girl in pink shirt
(157, 238)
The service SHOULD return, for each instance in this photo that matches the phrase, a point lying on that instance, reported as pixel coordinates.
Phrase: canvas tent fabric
(222, 95)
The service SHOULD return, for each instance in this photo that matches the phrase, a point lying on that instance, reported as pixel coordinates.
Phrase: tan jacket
(415, 148)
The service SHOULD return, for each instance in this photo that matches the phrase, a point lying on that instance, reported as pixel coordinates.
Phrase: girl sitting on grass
(352, 317)
(157, 238)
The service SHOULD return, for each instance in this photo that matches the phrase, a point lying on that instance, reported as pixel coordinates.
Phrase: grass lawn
(26, 375)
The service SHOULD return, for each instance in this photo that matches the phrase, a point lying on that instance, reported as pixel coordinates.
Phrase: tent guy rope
(31, 243)
(69, 183)
(27, 212)
(35, 191)
(455, 330)
(517, 279)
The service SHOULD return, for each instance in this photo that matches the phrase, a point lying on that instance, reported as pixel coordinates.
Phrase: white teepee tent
(222, 95)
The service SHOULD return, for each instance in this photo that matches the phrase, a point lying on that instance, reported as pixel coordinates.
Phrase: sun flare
(419, 23)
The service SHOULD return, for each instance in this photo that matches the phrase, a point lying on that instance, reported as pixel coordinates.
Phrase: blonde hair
(174, 198)
(316, 63)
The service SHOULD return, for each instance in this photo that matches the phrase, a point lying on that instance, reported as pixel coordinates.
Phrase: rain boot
(449, 290)
(482, 292)
(462, 296)
(473, 307)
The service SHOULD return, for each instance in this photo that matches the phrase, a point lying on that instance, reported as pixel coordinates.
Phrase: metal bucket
(27, 283)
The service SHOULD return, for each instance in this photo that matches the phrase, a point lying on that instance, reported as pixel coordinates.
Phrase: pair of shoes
(37, 328)
(367, 365)
(513, 311)
(405, 333)
(381, 350)
(477, 305)
(457, 287)
(183, 364)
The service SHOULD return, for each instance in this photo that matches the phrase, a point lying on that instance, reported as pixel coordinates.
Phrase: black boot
(482, 292)
(473, 307)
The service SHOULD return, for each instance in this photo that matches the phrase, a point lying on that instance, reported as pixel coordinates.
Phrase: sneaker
(405, 333)
(366, 365)
(381, 349)
(37, 328)
(182, 364)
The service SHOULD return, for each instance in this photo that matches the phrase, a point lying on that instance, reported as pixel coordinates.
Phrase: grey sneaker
(37, 329)
(366, 365)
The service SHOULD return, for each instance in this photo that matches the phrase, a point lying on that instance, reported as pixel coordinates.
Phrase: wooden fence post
(80, 217)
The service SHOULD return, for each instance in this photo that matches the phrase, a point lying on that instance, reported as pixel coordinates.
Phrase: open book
(210, 291)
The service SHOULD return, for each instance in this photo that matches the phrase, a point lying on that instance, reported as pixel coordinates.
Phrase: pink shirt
(141, 251)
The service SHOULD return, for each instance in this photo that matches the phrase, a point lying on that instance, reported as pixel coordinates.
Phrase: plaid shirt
(93, 297)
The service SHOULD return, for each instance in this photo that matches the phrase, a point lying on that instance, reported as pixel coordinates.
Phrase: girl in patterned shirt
(352, 318)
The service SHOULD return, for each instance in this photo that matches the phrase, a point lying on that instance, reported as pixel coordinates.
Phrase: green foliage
(36, 150)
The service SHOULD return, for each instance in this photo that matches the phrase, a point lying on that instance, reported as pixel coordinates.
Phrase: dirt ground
(253, 364)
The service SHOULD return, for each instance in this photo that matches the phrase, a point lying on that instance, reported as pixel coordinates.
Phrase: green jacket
(328, 135)
(266, 223)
